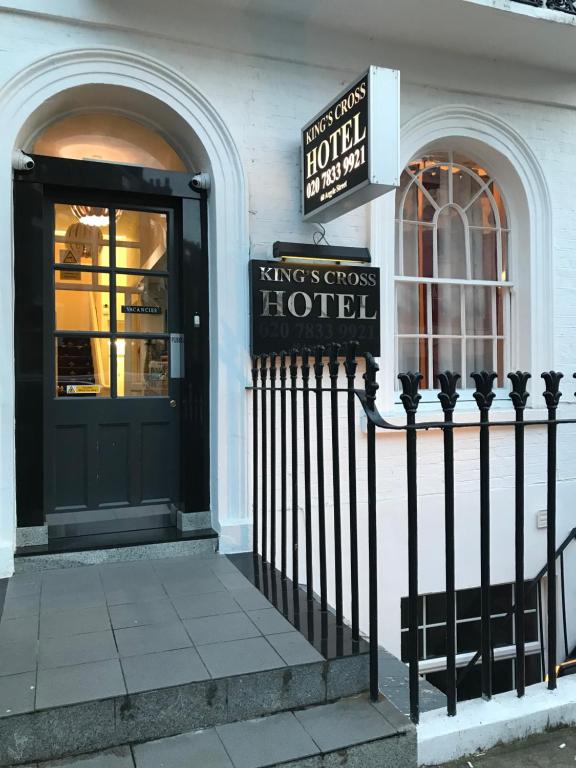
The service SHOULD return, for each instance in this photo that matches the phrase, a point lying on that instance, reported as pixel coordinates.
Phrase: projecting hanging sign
(303, 305)
(350, 150)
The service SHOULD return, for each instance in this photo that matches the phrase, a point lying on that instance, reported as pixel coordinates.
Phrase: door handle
(172, 403)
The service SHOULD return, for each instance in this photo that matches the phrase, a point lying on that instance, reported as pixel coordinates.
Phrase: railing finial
(448, 396)
(519, 395)
(552, 392)
(410, 396)
(334, 364)
(371, 385)
(484, 394)
(318, 362)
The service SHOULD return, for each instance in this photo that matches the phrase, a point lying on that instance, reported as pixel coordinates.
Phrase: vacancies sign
(296, 306)
(350, 150)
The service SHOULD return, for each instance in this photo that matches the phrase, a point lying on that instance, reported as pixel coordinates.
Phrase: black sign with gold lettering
(350, 150)
(298, 305)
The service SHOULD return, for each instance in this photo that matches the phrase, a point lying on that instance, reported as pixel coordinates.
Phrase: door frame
(33, 239)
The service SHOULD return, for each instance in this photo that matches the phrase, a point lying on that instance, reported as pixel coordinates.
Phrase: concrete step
(97, 657)
(118, 547)
(352, 732)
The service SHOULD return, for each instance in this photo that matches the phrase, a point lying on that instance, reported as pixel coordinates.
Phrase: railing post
(283, 463)
(255, 455)
(294, 458)
(484, 397)
(519, 397)
(307, 472)
(371, 387)
(273, 459)
(334, 368)
(448, 397)
(319, 374)
(263, 377)
(410, 399)
(552, 397)
(350, 367)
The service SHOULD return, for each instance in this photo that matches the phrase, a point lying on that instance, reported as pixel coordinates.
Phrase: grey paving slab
(213, 629)
(79, 683)
(22, 584)
(294, 648)
(250, 599)
(17, 693)
(18, 657)
(233, 580)
(19, 630)
(76, 649)
(162, 670)
(17, 606)
(239, 657)
(270, 621)
(193, 585)
(203, 749)
(159, 611)
(120, 757)
(74, 622)
(152, 638)
(136, 593)
(115, 575)
(71, 600)
(267, 741)
(347, 722)
(211, 604)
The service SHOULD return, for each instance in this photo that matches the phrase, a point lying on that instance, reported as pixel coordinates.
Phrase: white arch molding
(20, 98)
(507, 157)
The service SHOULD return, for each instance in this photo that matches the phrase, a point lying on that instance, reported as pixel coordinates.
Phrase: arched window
(109, 137)
(452, 270)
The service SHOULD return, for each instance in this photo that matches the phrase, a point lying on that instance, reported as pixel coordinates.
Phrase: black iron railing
(310, 451)
(302, 447)
(566, 6)
(484, 396)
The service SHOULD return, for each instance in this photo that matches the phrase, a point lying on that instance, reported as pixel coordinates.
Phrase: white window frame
(506, 285)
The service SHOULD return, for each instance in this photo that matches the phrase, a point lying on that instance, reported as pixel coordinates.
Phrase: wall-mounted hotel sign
(350, 150)
(304, 304)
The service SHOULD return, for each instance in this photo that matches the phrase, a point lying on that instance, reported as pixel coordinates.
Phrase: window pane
(468, 636)
(531, 627)
(405, 645)
(141, 304)
(411, 308)
(468, 603)
(504, 237)
(436, 642)
(82, 305)
(404, 612)
(436, 608)
(142, 367)
(412, 356)
(483, 254)
(435, 182)
(533, 669)
(481, 213)
(417, 250)
(500, 205)
(451, 245)
(446, 314)
(479, 355)
(82, 367)
(500, 598)
(478, 311)
(77, 242)
(447, 356)
(410, 208)
(502, 631)
(464, 187)
(471, 686)
(141, 240)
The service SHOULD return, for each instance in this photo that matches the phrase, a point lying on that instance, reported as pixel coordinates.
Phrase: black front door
(116, 352)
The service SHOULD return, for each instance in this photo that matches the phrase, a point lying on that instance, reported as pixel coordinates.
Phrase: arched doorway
(111, 356)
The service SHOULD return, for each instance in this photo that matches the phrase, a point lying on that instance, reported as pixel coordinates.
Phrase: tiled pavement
(79, 634)
(295, 738)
